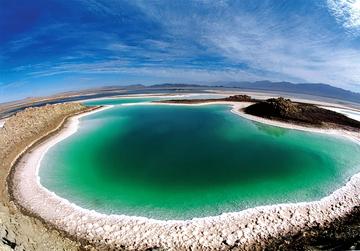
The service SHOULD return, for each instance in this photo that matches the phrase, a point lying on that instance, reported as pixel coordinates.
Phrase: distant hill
(316, 89)
(322, 90)
(175, 85)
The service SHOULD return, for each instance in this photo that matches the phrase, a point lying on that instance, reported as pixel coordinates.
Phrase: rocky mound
(307, 114)
(29, 123)
(239, 98)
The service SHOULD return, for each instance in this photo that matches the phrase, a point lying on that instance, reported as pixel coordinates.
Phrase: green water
(180, 162)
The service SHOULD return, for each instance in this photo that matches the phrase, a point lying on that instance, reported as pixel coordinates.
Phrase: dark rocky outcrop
(306, 114)
(239, 98)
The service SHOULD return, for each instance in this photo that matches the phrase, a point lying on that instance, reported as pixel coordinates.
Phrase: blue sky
(48, 46)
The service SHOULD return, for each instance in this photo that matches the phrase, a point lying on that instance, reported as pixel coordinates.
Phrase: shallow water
(180, 162)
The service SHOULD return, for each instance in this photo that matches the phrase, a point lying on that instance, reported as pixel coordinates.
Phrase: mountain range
(316, 89)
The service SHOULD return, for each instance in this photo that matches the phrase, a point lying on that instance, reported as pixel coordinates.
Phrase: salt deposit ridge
(251, 227)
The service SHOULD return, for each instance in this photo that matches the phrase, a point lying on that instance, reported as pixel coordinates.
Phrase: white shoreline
(249, 226)
(153, 95)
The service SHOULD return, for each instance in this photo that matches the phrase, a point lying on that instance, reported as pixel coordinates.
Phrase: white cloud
(292, 57)
(297, 48)
(179, 74)
(347, 12)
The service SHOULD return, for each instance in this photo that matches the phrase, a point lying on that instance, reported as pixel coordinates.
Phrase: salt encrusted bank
(19, 230)
(251, 228)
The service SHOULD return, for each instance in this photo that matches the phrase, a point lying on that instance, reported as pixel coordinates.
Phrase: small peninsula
(283, 110)
(306, 114)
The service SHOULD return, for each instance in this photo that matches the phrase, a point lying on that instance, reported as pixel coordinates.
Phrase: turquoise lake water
(180, 162)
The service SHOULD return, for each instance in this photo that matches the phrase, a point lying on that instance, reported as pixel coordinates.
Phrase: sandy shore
(244, 229)
(19, 230)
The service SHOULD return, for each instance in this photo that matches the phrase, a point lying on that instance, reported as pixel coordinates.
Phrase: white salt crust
(2, 122)
(247, 228)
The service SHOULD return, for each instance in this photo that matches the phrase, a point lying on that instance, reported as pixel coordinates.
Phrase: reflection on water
(271, 130)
